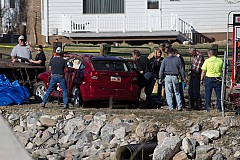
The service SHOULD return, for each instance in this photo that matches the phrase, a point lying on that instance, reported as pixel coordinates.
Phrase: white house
(159, 19)
(9, 12)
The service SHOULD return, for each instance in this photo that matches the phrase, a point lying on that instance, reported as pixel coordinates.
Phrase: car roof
(106, 58)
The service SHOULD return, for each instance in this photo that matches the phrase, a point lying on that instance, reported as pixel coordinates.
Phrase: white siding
(135, 7)
(206, 16)
(59, 7)
(75, 8)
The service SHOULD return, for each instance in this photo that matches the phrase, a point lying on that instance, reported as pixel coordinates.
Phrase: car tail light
(93, 77)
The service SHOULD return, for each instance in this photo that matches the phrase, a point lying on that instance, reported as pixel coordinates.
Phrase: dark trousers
(194, 88)
(159, 92)
(210, 84)
(147, 81)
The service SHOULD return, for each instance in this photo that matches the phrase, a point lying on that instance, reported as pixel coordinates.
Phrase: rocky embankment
(78, 136)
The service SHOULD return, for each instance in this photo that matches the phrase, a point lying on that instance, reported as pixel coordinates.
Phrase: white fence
(110, 23)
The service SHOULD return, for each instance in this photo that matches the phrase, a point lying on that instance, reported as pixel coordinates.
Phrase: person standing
(181, 82)
(22, 50)
(145, 76)
(156, 64)
(162, 48)
(171, 68)
(212, 70)
(194, 82)
(57, 66)
(40, 57)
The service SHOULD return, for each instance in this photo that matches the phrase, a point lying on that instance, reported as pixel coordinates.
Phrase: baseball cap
(21, 37)
(58, 50)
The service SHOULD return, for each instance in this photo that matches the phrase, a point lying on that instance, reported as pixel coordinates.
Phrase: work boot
(198, 104)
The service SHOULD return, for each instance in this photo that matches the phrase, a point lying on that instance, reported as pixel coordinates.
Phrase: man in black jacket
(146, 76)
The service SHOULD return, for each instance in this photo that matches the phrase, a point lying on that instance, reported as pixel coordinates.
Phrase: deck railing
(123, 23)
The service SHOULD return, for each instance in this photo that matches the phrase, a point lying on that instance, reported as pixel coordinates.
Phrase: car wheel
(76, 97)
(39, 91)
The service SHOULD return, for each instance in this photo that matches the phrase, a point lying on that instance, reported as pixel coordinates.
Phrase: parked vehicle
(94, 78)
(25, 73)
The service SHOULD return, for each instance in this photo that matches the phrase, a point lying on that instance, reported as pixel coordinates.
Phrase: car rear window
(111, 65)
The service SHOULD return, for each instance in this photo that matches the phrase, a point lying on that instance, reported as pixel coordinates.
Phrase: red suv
(94, 78)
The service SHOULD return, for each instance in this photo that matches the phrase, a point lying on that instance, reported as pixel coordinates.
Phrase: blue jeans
(54, 80)
(171, 83)
(210, 84)
(194, 88)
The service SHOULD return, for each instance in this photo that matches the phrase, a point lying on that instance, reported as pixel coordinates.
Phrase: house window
(12, 3)
(153, 4)
(103, 6)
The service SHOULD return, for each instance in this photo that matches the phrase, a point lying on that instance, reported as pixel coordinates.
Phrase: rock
(112, 156)
(107, 132)
(218, 156)
(116, 121)
(14, 117)
(88, 119)
(161, 136)
(234, 142)
(236, 154)
(51, 157)
(146, 131)
(120, 133)
(18, 129)
(24, 137)
(180, 156)
(38, 141)
(68, 154)
(211, 134)
(47, 122)
(84, 139)
(51, 142)
(189, 146)
(167, 149)
(46, 135)
(202, 140)
(33, 118)
(217, 121)
(100, 116)
(195, 128)
(74, 124)
(227, 152)
(171, 129)
(204, 152)
(50, 130)
(69, 116)
(29, 146)
(223, 130)
(94, 127)
(232, 121)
